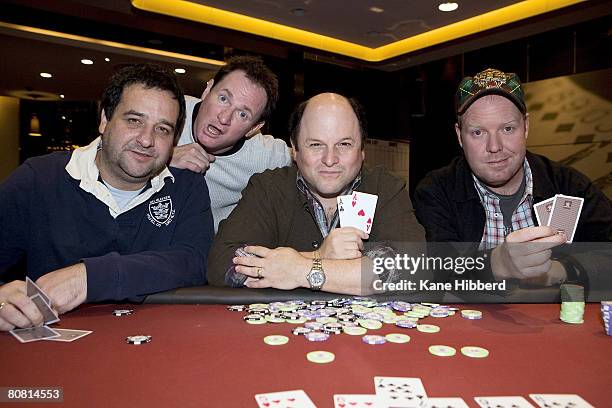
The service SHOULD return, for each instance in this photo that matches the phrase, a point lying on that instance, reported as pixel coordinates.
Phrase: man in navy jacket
(108, 221)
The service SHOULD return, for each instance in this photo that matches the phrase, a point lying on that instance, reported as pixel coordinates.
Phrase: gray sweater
(229, 174)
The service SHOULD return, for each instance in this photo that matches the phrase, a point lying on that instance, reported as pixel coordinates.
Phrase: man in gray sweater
(222, 139)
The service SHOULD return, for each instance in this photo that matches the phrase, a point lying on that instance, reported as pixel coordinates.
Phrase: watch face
(317, 278)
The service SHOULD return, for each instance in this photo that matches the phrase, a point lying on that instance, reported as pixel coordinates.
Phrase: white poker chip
(475, 352)
(320, 357)
(397, 338)
(137, 340)
(354, 331)
(276, 340)
(471, 314)
(370, 324)
(442, 351)
(427, 328)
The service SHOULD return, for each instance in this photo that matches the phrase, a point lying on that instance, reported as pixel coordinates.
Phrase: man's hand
(526, 254)
(192, 157)
(66, 287)
(343, 243)
(17, 310)
(280, 268)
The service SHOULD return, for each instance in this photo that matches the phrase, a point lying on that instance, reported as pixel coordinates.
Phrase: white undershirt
(122, 197)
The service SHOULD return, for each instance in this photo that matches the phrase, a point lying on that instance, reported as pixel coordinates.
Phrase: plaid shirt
(316, 208)
(494, 231)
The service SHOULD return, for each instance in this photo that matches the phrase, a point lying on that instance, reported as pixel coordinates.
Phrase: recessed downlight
(448, 6)
(179, 70)
(46, 75)
(86, 61)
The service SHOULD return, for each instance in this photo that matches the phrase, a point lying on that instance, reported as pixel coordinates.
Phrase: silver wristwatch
(316, 276)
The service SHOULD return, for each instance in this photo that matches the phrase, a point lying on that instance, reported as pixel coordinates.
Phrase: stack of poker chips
(572, 304)
(606, 311)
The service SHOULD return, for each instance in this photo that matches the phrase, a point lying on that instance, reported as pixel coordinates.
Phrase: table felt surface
(207, 356)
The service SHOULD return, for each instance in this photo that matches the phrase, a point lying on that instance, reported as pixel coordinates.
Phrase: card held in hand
(357, 210)
(565, 214)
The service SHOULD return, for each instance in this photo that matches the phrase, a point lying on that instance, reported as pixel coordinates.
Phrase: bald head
(327, 112)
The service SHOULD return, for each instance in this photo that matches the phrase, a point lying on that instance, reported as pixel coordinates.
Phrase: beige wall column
(9, 136)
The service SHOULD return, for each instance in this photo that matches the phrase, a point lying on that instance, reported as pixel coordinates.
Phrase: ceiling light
(448, 6)
(376, 9)
(86, 61)
(46, 75)
(63, 117)
(62, 96)
(179, 70)
(107, 59)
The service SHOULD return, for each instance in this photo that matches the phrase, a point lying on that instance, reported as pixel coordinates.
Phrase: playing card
(357, 210)
(68, 335)
(48, 314)
(284, 399)
(357, 401)
(560, 401)
(565, 213)
(33, 289)
(455, 402)
(503, 402)
(543, 210)
(401, 392)
(34, 334)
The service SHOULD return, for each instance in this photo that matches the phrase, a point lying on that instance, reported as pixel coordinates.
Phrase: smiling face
(493, 136)
(137, 140)
(329, 154)
(229, 112)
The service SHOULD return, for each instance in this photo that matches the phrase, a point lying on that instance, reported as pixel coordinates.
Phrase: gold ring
(259, 273)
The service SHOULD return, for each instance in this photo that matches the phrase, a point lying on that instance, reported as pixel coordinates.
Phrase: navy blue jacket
(48, 219)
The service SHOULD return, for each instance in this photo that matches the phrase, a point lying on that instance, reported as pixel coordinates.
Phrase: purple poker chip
(316, 336)
(373, 339)
(406, 324)
(401, 306)
(346, 318)
(439, 312)
(349, 324)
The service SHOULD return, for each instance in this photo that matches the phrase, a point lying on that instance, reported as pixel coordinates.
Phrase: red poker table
(203, 355)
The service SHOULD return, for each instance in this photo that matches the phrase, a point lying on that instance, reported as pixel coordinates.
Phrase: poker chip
(313, 325)
(354, 331)
(397, 338)
(471, 314)
(236, 308)
(123, 312)
(258, 306)
(350, 324)
(370, 324)
(300, 331)
(427, 328)
(442, 351)
(276, 340)
(326, 319)
(406, 324)
(332, 328)
(316, 336)
(475, 352)
(401, 306)
(138, 339)
(320, 357)
(273, 318)
(299, 320)
(373, 339)
(255, 319)
(572, 304)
